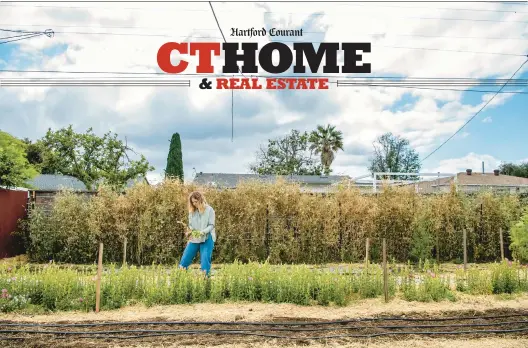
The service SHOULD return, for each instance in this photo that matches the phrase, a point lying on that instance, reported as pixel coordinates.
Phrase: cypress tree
(174, 159)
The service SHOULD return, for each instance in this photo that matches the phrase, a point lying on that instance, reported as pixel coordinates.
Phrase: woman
(202, 219)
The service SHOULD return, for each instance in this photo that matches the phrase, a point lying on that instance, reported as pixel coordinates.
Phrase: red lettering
(245, 84)
(221, 83)
(302, 84)
(233, 83)
(270, 83)
(256, 84)
(204, 50)
(323, 83)
(291, 83)
(312, 83)
(164, 59)
(281, 84)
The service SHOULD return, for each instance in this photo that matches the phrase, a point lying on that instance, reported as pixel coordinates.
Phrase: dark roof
(231, 180)
(132, 182)
(57, 182)
(51, 182)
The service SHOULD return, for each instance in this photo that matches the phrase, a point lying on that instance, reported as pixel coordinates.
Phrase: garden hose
(292, 329)
(102, 335)
(346, 321)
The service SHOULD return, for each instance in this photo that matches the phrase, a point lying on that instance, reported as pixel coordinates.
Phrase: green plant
(505, 278)
(519, 238)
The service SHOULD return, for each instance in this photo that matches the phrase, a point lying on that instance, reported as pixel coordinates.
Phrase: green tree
(520, 170)
(288, 155)
(519, 238)
(35, 153)
(393, 154)
(174, 159)
(90, 158)
(15, 169)
(326, 141)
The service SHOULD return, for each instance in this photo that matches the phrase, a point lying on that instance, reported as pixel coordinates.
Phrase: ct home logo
(303, 52)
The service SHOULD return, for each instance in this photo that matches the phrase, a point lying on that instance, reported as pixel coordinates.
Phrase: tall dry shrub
(357, 222)
(240, 222)
(62, 234)
(277, 222)
(491, 212)
(394, 217)
(450, 215)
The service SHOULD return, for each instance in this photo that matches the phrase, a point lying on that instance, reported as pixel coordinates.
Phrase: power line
(474, 80)
(478, 112)
(198, 10)
(437, 8)
(293, 41)
(232, 91)
(399, 17)
(23, 35)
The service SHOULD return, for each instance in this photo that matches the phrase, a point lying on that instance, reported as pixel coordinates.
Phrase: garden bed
(26, 288)
(484, 312)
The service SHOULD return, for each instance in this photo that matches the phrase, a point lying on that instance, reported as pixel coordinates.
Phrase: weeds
(51, 287)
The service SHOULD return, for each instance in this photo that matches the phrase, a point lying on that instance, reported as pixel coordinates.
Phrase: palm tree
(326, 141)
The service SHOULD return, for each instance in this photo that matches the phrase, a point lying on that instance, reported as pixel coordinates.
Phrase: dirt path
(263, 312)
(247, 312)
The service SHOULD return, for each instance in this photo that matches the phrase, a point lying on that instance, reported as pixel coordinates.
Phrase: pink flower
(94, 278)
(10, 269)
(13, 279)
(81, 299)
(433, 275)
(250, 278)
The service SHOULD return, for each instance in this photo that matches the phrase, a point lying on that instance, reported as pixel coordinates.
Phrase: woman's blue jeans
(206, 252)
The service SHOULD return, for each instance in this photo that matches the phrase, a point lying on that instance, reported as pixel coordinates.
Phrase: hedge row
(276, 222)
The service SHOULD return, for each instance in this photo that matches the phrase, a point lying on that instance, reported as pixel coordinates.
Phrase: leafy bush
(519, 239)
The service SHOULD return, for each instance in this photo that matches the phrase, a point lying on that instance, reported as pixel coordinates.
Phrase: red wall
(12, 207)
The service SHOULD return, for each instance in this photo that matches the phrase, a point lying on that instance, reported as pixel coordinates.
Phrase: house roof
(57, 182)
(52, 182)
(232, 180)
(486, 179)
(490, 179)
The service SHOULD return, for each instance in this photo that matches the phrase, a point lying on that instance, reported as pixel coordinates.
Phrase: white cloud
(147, 116)
(470, 161)
(487, 120)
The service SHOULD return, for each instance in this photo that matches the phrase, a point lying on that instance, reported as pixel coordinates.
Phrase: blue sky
(148, 117)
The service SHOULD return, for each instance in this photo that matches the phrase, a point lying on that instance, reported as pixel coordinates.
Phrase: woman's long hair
(201, 202)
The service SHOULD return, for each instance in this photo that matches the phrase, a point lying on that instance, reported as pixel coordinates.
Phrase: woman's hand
(188, 232)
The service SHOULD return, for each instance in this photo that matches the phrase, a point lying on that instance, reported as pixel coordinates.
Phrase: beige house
(471, 182)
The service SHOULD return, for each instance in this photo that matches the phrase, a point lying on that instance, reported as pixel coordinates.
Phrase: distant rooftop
(227, 180)
(57, 182)
(52, 182)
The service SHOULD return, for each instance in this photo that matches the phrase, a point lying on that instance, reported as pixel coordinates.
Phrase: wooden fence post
(437, 248)
(267, 232)
(464, 242)
(124, 252)
(385, 274)
(501, 244)
(367, 245)
(98, 284)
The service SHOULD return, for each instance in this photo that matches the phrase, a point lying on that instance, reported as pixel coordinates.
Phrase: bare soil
(280, 313)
